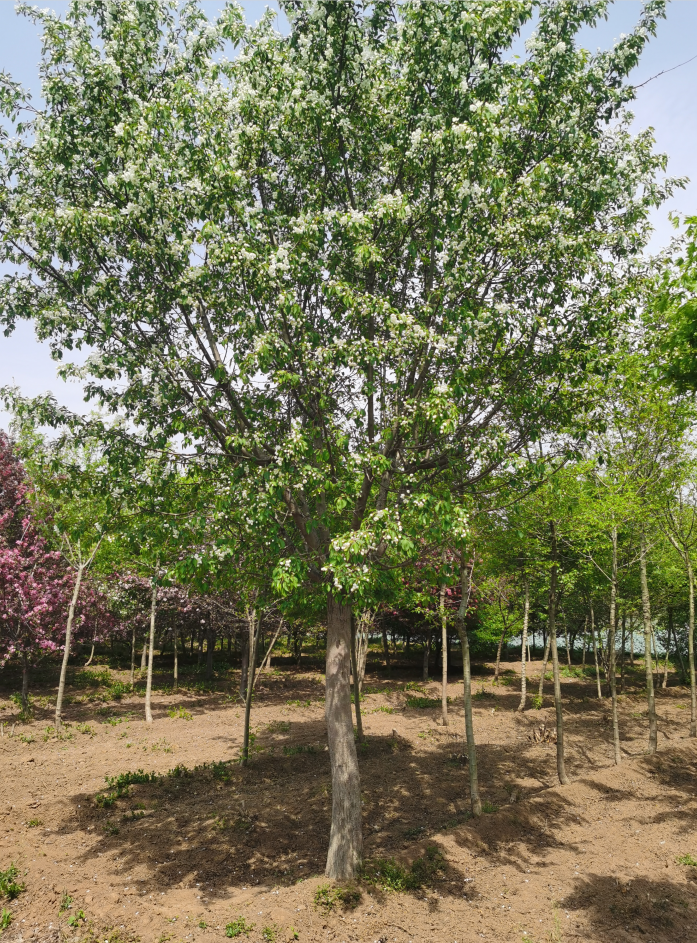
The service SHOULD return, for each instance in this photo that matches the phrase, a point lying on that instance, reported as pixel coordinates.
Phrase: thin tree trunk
(386, 650)
(631, 644)
(691, 648)
(151, 653)
(25, 683)
(646, 613)
(595, 655)
(497, 669)
(526, 613)
(176, 660)
(66, 650)
(356, 685)
(684, 674)
(466, 584)
(545, 659)
(144, 655)
(444, 657)
(664, 683)
(585, 631)
(266, 663)
(611, 650)
(89, 660)
(345, 839)
(254, 627)
(210, 646)
(244, 672)
(133, 656)
(561, 771)
(427, 652)
(622, 652)
(566, 642)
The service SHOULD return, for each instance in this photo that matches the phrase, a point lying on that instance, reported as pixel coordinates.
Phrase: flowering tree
(347, 262)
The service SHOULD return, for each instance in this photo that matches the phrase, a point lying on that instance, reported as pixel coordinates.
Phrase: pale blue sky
(668, 104)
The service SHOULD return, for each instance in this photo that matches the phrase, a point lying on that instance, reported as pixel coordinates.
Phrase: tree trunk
(497, 669)
(427, 652)
(210, 646)
(356, 683)
(585, 632)
(176, 660)
(664, 683)
(622, 651)
(526, 613)
(133, 656)
(545, 659)
(691, 649)
(466, 583)
(595, 655)
(611, 650)
(244, 672)
(386, 650)
(646, 613)
(631, 644)
(66, 650)
(25, 683)
(144, 655)
(89, 660)
(345, 839)
(253, 643)
(561, 771)
(566, 642)
(444, 656)
(151, 652)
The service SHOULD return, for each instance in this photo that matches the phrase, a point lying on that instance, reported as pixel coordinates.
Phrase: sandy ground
(185, 856)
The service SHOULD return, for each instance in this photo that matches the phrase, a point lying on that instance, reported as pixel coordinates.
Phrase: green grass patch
(301, 748)
(392, 876)
(180, 713)
(238, 927)
(688, 860)
(5, 918)
(10, 887)
(327, 897)
(424, 702)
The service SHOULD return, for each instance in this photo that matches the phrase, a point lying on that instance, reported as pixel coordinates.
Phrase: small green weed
(180, 713)
(5, 918)
(111, 828)
(424, 702)
(202, 924)
(382, 710)
(66, 902)
(482, 693)
(301, 748)
(26, 738)
(489, 807)
(9, 886)
(89, 679)
(278, 726)
(34, 823)
(536, 701)
(77, 918)
(85, 728)
(392, 876)
(238, 927)
(298, 703)
(270, 934)
(414, 686)
(327, 897)
(688, 860)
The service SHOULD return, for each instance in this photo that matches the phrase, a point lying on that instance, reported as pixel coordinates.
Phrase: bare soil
(184, 856)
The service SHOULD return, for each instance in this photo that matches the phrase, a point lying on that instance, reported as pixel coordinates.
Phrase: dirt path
(183, 856)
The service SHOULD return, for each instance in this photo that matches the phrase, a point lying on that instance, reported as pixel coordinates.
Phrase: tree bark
(646, 613)
(253, 631)
(595, 655)
(25, 683)
(444, 657)
(133, 656)
(144, 655)
(545, 659)
(66, 651)
(526, 613)
(356, 683)
(566, 642)
(244, 668)
(497, 669)
(151, 652)
(427, 652)
(561, 770)
(345, 839)
(465, 584)
(691, 648)
(89, 660)
(611, 650)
